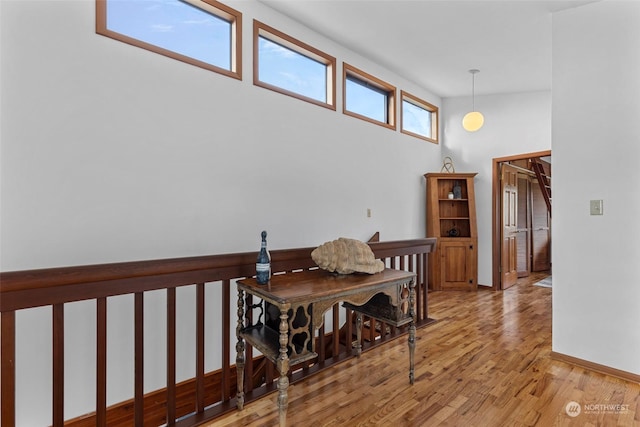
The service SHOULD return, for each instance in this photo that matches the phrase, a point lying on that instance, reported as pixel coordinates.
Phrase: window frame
(213, 7)
(376, 83)
(261, 29)
(420, 103)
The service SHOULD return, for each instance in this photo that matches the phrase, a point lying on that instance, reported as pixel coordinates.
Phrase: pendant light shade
(473, 120)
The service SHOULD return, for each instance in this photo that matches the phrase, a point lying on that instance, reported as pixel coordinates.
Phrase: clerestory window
(369, 98)
(205, 33)
(291, 67)
(419, 118)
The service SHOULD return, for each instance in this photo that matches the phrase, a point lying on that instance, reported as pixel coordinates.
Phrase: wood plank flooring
(485, 363)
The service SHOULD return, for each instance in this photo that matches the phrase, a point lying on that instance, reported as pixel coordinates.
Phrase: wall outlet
(596, 207)
(368, 212)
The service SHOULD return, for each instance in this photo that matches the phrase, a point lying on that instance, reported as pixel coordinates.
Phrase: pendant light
(473, 120)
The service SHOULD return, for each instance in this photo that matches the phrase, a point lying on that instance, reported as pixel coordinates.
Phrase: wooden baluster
(425, 284)
(138, 401)
(336, 331)
(412, 268)
(393, 328)
(269, 371)
(248, 379)
(200, 348)
(58, 365)
(421, 282)
(372, 330)
(225, 382)
(8, 372)
(321, 343)
(270, 367)
(171, 355)
(101, 362)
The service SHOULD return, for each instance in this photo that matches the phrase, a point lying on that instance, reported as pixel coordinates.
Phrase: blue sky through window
(365, 101)
(174, 25)
(292, 71)
(416, 119)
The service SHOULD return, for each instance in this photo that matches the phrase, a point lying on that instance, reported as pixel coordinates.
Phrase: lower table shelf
(267, 341)
(379, 308)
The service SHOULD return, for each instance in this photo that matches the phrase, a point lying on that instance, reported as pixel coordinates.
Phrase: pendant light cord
(473, 92)
(473, 88)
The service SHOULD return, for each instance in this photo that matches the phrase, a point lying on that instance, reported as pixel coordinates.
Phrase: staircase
(544, 181)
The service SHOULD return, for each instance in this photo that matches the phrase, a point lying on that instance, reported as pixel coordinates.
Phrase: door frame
(496, 212)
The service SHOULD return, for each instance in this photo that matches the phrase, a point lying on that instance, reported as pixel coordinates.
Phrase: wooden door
(509, 185)
(540, 231)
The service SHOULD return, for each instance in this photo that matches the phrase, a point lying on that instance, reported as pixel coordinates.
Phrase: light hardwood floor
(485, 363)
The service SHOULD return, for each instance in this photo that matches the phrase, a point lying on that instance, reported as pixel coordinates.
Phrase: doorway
(520, 225)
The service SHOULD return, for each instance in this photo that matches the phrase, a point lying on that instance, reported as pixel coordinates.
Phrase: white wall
(112, 153)
(596, 147)
(514, 124)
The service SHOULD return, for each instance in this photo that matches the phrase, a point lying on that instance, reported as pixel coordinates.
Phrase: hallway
(484, 363)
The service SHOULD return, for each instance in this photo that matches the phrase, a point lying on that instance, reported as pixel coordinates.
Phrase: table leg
(240, 352)
(412, 329)
(359, 333)
(283, 367)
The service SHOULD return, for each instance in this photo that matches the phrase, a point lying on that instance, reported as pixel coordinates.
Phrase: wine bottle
(263, 264)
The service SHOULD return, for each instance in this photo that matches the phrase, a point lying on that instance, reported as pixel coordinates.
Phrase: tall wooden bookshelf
(452, 219)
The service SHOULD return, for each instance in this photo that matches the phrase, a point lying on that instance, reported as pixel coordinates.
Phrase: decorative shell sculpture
(346, 256)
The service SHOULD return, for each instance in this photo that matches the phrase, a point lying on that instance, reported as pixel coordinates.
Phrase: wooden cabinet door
(458, 260)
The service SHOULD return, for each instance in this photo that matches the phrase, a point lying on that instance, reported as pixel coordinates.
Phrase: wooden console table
(293, 306)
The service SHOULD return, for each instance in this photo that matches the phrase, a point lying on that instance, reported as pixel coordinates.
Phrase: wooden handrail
(56, 287)
(244, 263)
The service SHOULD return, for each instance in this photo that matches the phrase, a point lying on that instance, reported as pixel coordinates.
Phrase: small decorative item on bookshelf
(263, 264)
(454, 232)
(450, 195)
(447, 165)
(457, 191)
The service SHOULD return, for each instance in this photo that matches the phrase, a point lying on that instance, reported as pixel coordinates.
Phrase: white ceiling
(434, 43)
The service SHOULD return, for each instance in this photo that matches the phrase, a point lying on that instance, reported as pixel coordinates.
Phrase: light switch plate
(596, 207)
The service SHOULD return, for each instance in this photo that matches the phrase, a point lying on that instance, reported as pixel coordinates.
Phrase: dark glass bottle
(263, 264)
(457, 191)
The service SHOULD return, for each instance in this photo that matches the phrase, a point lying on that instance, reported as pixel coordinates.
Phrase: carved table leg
(283, 367)
(412, 329)
(359, 333)
(240, 352)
